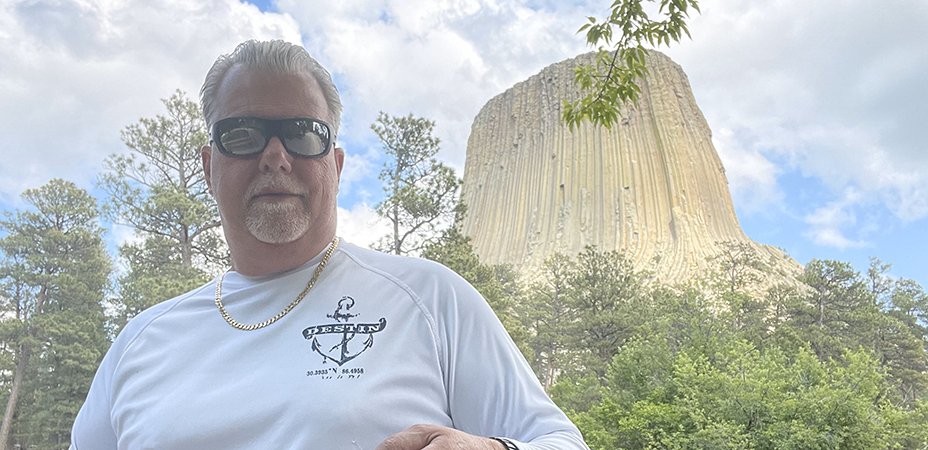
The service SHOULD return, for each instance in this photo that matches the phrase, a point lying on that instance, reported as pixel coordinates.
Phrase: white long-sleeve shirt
(379, 344)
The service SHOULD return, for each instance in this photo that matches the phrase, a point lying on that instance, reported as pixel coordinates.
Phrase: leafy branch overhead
(611, 82)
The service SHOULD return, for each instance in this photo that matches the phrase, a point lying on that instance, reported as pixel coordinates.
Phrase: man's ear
(206, 155)
(339, 162)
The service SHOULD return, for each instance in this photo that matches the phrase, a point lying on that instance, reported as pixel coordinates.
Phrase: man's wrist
(507, 444)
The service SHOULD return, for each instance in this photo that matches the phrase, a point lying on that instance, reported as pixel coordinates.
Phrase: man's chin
(277, 230)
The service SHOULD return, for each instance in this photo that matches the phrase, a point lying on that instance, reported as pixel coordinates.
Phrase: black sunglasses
(246, 136)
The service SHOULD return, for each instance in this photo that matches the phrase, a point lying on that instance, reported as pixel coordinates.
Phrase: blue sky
(817, 108)
(264, 5)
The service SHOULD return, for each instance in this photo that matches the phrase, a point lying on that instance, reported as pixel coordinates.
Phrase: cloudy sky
(818, 108)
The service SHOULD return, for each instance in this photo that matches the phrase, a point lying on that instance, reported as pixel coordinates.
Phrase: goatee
(277, 221)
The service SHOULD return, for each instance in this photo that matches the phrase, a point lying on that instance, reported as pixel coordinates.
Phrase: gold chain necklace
(309, 286)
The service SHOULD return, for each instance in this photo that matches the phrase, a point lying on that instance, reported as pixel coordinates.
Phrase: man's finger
(434, 437)
(416, 437)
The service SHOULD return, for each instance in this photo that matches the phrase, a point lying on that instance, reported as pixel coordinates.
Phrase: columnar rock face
(652, 186)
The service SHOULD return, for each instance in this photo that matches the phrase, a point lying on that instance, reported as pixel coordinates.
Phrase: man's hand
(434, 437)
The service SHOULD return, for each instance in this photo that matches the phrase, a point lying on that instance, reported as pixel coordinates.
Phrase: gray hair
(278, 56)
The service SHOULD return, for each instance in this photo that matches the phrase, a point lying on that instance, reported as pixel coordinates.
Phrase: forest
(835, 358)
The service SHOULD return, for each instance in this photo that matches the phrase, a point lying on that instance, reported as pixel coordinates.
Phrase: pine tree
(902, 336)
(53, 275)
(547, 312)
(606, 292)
(420, 193)
(739, 265)
(160, 190)
(837, 313)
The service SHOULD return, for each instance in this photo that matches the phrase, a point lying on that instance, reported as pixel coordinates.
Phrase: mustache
(274, 183)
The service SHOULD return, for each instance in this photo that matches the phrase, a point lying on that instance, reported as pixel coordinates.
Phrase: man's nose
(275, 157)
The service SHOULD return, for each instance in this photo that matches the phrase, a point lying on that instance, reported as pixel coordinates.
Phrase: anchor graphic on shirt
(340, 352)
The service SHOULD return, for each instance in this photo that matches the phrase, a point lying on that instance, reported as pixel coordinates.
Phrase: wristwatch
(506, 443)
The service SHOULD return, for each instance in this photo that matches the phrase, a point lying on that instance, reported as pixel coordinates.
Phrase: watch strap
(506, 443)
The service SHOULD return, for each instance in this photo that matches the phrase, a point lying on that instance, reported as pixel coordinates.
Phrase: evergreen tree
(547, 312)
(838, 312)
(902, 336)
(159, 189)
(420, 193)
(53, 275)
(739, 265)
(606, 296)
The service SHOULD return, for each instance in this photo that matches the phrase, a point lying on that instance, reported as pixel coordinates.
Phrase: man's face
(273, 197)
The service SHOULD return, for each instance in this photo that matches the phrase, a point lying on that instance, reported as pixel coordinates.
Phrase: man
(308, 342)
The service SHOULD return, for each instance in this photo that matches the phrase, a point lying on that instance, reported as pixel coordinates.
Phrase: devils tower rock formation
(652, 186)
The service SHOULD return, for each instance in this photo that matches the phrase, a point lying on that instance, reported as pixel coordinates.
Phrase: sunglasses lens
(305, 137)
(242, 136)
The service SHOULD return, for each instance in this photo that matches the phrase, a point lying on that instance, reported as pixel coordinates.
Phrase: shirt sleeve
(492, 390)
(93, 428)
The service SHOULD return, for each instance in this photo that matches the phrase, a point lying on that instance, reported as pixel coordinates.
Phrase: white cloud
(832, 237)
(752, 178)
(358, 167)
(442, 60)
(122, 234)
(827, 224)
(833, 88)
(360, 225)
(827, 88)
(76, 72)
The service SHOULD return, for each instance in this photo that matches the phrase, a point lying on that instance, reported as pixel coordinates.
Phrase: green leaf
(611, 83)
